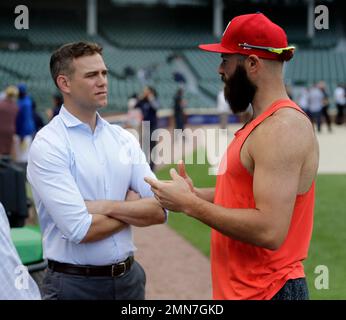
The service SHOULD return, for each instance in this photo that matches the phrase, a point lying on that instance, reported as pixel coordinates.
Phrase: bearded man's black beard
(239, 90)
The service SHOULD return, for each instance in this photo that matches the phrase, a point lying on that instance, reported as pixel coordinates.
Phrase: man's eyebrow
(90, 72)
(95, 72)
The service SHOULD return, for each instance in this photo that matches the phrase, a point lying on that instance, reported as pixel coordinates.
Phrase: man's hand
(183, 174)
(174, 195)
(203, 193)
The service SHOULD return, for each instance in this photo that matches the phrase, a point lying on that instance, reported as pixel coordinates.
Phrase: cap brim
(215, 47)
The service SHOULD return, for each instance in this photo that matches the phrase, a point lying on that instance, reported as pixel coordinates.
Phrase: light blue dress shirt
(16, 282)
(68, 164)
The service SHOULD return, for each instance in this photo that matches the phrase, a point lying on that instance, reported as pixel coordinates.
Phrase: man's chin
(102, 104)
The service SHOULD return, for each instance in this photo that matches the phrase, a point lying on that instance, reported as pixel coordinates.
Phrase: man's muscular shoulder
(288, 133)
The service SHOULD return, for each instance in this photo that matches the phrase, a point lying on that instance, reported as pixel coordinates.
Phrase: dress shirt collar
(71, 121)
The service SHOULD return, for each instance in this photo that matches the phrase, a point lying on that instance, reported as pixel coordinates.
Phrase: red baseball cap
(253, 34)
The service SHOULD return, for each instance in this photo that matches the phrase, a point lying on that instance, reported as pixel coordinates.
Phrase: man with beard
(261, 210)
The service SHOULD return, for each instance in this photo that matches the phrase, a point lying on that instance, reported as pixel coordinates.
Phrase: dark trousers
(129, 286)
(152, 146)
(325, 115)
(179, 120)
(316, 118)
(340, 114)
(294, 289)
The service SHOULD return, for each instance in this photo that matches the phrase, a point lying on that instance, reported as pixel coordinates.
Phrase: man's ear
(63, 83)
(252, 63)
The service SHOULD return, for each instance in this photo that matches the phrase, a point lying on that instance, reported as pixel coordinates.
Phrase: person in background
(39, 123)
(134, 115)
(325, 105)
(303, 100)
(57, 103)
(179, 104)
(148, 103)
(25, 125)
(340, 101)
(316, 98)
(8, 114)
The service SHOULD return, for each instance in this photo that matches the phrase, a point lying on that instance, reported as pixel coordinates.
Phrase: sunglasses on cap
(270, 49)
(283, 54)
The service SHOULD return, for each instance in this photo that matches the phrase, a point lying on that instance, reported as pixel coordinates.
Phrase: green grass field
(328, 240)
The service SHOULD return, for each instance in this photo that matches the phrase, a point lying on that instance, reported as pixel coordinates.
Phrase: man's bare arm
(139, 213)
(102, 227)
(206, 194)
(276, 179)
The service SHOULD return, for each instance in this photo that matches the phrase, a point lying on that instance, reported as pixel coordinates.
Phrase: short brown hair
(60, 61)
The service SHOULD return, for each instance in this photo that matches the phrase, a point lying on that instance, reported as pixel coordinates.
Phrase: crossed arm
(109, 217)
(58, 195)
(135, 211)
(102, 227)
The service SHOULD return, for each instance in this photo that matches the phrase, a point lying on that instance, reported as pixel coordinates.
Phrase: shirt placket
(101, 156)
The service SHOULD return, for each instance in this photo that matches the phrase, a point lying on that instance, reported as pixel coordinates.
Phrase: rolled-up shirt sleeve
(140, 170)
(49, 173)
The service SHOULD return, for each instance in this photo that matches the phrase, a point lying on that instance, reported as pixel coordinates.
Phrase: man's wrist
(197, 192)
(192, 204)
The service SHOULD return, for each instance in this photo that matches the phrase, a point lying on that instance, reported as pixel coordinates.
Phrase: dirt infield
(174, 268)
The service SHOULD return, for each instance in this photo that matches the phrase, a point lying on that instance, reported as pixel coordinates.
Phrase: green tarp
(27, 241)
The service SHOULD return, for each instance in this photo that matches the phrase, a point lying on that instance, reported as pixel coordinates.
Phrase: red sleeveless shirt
(245, 271)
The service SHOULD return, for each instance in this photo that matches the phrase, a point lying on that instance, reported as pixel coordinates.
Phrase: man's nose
(102, 81)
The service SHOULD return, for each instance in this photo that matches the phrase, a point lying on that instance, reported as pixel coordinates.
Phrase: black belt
(114, 270)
